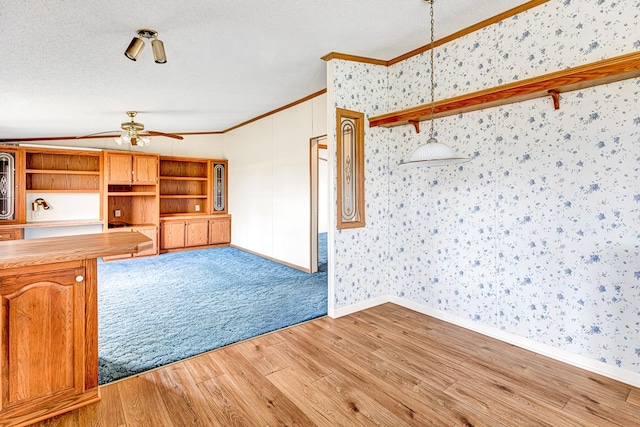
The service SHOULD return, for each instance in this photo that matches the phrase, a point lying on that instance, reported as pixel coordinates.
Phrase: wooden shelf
(183, 196)
(131, 193)
(63, 172)
(61, 191)
(62, 223)
(584, 76)
(183, 178)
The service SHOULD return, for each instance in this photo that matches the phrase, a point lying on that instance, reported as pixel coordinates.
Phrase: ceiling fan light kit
(137, 44)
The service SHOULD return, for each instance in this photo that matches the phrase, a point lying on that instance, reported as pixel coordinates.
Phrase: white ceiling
(63, 71)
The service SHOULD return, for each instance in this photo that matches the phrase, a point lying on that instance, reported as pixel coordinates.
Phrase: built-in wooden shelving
(62, 171)
(552, 84)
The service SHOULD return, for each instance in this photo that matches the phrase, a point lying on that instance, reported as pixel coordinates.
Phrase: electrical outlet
(35, 215)
(197, 208)
(117, 213)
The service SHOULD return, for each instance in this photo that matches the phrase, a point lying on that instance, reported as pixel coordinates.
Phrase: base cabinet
(220, 231)
(46, 339)
(195, 232)
(10, 234)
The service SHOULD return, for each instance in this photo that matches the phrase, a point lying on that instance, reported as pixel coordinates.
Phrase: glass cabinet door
(7, 186)
(219, 192)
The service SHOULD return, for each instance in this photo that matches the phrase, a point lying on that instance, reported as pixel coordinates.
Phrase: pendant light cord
(431, 65)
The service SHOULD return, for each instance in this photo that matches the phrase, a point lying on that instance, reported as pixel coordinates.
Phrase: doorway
(319, 197)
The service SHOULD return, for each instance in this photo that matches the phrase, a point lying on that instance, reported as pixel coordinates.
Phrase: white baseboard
(595, 366)
(343, 311)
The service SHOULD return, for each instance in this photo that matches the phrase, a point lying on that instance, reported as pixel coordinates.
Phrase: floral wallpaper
(539, 235)
(361, 87)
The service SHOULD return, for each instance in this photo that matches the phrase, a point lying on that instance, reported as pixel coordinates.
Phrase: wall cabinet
(11, 196)
(127, 169)
(47, 346)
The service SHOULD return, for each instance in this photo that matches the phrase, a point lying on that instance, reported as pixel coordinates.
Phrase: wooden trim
(277, 110)
(359, 166)
(458, 34)
(580, 77)
(354, 58)
(297, 267)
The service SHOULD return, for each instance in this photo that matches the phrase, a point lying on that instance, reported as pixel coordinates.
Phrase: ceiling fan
(133, 133)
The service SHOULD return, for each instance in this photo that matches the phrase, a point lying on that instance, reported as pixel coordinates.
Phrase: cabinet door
(119, 168)
(197, 233)
(145, 169)
(150, 232)
(172, 235)
(7, 186)
(10, 234)
(219, 231)
(41, 347)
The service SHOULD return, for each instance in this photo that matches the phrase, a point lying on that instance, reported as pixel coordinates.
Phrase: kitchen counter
(49, 312)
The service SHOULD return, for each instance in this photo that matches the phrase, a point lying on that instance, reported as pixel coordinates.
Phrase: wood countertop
(22, 253)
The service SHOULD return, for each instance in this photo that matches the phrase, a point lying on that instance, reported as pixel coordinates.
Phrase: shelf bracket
(416, 125)
(555, 95)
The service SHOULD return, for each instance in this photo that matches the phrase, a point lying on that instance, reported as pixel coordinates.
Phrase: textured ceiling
(63, 72)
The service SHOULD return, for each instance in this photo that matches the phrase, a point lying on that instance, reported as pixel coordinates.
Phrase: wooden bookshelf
(185, 186)
(62, 171)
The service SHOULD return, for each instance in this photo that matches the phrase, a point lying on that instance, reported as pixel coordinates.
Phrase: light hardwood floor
(385, 366)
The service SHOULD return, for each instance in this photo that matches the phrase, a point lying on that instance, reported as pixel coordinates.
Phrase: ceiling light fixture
(433, 153)
(137, 44)
(131, 133)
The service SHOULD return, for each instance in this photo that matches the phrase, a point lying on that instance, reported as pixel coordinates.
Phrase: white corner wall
(269, 182)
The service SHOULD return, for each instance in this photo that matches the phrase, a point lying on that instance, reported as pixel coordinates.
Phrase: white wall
(323, 191)
(269, 184)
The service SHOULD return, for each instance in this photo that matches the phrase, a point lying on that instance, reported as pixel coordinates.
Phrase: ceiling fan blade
(168, 135)
(113, 133)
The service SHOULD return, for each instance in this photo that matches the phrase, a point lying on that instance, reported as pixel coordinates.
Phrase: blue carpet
(156, 310)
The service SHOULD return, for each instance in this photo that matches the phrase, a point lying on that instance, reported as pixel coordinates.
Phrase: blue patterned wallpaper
(540, 234)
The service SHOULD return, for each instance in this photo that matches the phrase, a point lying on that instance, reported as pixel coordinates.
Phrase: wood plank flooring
(385, 366)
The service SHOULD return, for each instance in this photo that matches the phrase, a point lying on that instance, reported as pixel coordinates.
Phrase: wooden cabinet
(172, 234)
(220, 230)
(195, 232)
(185, 233)
(127, 169)
(11, 187)
(47, 344)
(10, 234)
(49, 326)
(191, 186)
(131, 199)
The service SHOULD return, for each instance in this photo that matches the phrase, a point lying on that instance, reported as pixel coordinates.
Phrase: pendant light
(433, 153)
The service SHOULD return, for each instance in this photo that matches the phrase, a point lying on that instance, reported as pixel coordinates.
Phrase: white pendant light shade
(434, 153)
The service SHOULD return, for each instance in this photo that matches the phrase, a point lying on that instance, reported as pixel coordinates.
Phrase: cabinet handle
(79, 278)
